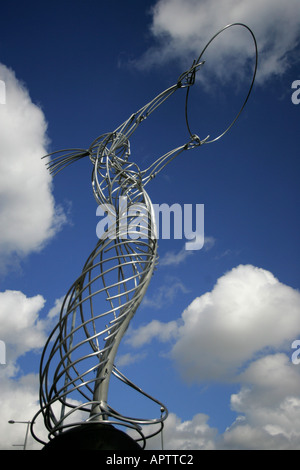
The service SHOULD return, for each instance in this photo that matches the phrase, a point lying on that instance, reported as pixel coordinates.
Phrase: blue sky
(212, 339)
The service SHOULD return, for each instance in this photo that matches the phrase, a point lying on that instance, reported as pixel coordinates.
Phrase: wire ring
(249, 91)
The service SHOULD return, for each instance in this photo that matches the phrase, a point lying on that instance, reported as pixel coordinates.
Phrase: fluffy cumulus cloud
(19, 402)
(247, 312)
(29, 216)
(165, 293)
(172, 258)
(183, 27)
(268, 405)
(23, 330)
(241, 332)
(155, 329)
(194, 434)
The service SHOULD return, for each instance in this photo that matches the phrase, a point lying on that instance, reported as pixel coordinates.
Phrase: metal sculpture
(78, 359)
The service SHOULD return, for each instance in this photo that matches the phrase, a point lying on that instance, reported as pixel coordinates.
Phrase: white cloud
(274, 373)
(209, 242)
(128, 358)
(28, 218)
(23, 331)
(155, 329)
(268, 405)
(20, 326)
(18, 402)
(55, 310)
(165, 294)
(237, 333)
(194, 434)
(183, 27)
(28, 215)
(248, 311)
(171, 258)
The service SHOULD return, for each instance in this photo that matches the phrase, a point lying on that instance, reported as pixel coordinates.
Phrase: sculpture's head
(109, 152)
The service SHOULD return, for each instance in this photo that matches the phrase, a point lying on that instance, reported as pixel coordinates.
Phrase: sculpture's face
(114, 175)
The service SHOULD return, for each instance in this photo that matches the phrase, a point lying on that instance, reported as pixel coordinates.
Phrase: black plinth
(93, 436)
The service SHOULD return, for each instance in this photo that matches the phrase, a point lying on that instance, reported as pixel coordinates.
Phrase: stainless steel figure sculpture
(78, 359)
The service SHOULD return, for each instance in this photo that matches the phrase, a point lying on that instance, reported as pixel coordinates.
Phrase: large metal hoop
(200, 60)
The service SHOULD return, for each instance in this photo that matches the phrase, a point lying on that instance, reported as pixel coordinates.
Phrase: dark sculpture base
(93, 436)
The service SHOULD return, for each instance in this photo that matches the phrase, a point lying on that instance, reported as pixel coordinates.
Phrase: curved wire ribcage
(79, 363)
(76, 368)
